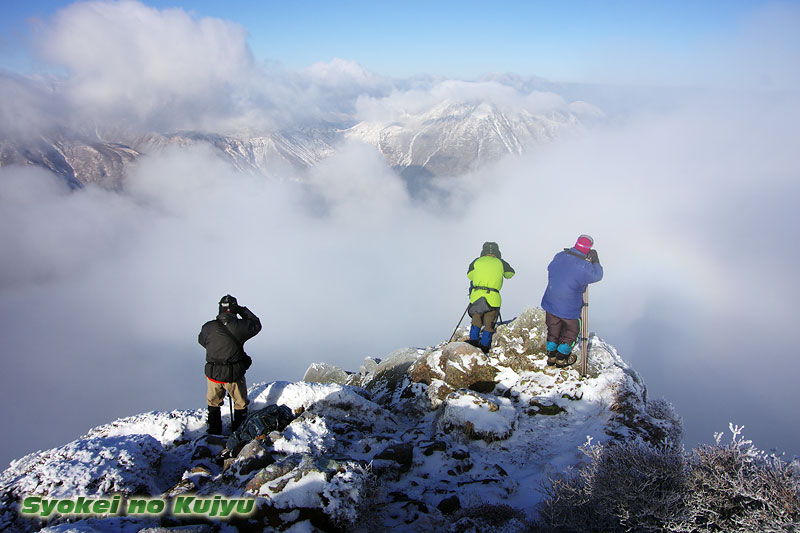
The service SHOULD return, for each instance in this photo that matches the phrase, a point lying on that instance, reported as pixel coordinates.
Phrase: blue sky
(587, 41)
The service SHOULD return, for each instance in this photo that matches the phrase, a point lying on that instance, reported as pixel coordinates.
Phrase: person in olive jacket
(486, 274)
(226, 361)
(568, 275)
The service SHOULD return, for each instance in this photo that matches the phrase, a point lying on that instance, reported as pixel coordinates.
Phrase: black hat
(491, 248)
(227, 304)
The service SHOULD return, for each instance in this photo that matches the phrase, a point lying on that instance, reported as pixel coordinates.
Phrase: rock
(402, 454)
(365, 374)
(390, 373)
(272, 472)
(191, 481)
(196, 528)
(325, 373)
(478, 416)
(460, 454)
(201, 452)
(252, 457)
(449, 505)
(332, 485)
(436, 446)
(456, 366)
(369, 366)
(540, 406)
(207, 447)
(438, 391)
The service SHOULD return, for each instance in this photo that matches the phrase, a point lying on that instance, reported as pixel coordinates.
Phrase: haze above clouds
(692, 206)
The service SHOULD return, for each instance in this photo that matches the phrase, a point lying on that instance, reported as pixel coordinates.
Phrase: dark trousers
(561, 330)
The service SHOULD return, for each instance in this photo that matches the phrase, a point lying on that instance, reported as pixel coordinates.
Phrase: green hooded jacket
(488, 271)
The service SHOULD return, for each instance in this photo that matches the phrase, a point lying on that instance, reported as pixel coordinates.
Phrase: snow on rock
(87, 467)
(457, 365)
(337, 487)
(391, 372)
(133, 455)
(306, 434)
(478, 416)
(165, 426)
(427, 439)
(301, 395)
(325, 373)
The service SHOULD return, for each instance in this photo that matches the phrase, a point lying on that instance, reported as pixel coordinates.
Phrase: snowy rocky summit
(437, 439)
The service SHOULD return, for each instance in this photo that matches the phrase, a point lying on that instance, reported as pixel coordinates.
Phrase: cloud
(28, 107)
(403, 101)
(128, 64)
(128, 59)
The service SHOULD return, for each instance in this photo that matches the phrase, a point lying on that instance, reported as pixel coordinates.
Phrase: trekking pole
(584, 331)
(459, 323)
(230, 404)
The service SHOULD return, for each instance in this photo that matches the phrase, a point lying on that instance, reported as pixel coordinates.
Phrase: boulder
(390, 374)
(252, 457)
(449, 505)
(394, 460)
(325, 373)
(191, 480)
(336, 486)
(478, 416)
(457, 365)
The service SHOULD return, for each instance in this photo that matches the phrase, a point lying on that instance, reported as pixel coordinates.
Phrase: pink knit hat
(584, 244)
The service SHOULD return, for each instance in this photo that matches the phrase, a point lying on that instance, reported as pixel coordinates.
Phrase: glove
(593, 256)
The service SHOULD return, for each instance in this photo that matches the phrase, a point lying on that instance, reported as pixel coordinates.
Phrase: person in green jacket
(486, 274)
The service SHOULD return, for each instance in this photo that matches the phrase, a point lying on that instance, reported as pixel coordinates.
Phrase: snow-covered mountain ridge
(449, 138)
(423, 440)
(452, 138)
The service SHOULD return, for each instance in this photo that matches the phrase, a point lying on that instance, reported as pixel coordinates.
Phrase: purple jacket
(568, 274)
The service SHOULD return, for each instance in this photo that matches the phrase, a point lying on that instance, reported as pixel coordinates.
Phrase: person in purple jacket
(568, 274)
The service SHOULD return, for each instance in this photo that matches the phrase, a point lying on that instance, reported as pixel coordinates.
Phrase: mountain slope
(425, 440)
(77, 160)
(452, 138)
(449, 138)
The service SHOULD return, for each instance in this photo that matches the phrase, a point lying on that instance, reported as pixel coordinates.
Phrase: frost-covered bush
(349, 496)
(490, 518)
(666, 418)
(626, 486)
(638, 486)
(739, 488)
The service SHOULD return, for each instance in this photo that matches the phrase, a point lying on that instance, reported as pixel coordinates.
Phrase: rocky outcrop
(325, 373)
(457, 365)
